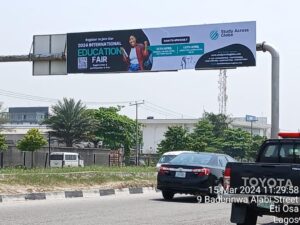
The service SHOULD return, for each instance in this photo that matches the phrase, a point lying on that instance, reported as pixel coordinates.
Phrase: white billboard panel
(47, 45)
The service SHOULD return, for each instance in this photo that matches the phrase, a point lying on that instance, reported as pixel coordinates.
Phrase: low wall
(91, 156)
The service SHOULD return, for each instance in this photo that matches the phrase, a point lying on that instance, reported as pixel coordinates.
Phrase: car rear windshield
(56, 157)
(191, 159)
(281, 153)
(166, 158)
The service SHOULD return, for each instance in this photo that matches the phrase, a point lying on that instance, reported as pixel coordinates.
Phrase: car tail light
(226, 181)
(201, 172)
(164, 170)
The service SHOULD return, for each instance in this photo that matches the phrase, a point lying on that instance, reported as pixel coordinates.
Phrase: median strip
(107, 192)
(135, 190)
(73, 194)
(76, 194)
(35, 196)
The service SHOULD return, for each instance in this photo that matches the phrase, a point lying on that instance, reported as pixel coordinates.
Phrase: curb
(76, 194)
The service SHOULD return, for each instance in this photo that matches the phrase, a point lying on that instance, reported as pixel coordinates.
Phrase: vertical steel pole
(2, 161)
(137, 129)
(137, 133)
(24, 159)
(49, 146)
(275, 86)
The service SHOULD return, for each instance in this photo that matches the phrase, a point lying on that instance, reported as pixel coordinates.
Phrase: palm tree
(70, 121)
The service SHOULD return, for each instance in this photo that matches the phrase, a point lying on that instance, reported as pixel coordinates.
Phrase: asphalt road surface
(140, 209)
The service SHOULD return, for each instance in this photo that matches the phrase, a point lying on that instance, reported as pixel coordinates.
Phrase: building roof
(168, 121)
(28, 109)
(236, 121)
(22, 129)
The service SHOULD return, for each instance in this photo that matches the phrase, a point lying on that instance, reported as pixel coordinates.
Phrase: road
(111, 210)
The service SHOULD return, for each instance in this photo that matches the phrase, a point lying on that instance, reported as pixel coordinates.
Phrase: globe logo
(214, 35)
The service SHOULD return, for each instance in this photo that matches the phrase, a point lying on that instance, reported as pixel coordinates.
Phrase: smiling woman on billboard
(136, 56)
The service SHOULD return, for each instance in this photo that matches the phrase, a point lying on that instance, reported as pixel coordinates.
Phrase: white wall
(154, 130)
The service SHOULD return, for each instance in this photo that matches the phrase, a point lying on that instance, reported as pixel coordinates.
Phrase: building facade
(21, 119)
(27, 115)
(154, 129)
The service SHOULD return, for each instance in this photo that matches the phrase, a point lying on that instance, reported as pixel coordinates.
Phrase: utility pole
(49, 147)
(137, 103)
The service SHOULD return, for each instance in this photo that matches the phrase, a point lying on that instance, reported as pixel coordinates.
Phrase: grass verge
(100, 169)
(35, 180)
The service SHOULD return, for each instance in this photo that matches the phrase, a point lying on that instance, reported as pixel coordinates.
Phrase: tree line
(71, 122)
(212, 134)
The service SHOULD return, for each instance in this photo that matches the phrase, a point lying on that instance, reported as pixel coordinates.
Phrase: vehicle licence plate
(180, 174)
(265, 205)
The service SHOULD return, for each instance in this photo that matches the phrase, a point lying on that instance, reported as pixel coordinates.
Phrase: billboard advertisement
(211, 46)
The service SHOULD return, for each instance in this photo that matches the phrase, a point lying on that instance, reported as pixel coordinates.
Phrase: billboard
(211, 46)
(250, 118)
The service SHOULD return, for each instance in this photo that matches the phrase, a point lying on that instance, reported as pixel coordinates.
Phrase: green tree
(202, 136)
(254, 146)
(236, 142)
(176, 138)
(31, 142)
(212, 134)
(92, 137)
(70, 121)
(220, 123)
(3, 147)
(116, 130)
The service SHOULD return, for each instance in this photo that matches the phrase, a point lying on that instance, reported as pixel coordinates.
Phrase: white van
(65, 159)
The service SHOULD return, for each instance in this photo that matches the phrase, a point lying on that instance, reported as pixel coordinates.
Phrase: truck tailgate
(265, 178)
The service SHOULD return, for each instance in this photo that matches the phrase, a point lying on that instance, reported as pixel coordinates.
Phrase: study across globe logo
(214, 35)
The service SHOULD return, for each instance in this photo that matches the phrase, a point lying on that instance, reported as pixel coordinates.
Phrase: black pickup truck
(270, 186)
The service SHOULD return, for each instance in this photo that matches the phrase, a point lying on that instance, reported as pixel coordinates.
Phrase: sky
(183, 94)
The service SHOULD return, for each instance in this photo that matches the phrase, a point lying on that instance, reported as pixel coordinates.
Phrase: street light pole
(136, 103)
(275, 86)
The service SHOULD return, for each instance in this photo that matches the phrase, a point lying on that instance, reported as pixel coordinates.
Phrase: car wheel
(250, 219)
(168, 195)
